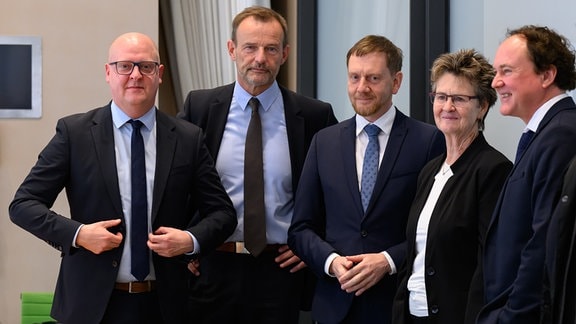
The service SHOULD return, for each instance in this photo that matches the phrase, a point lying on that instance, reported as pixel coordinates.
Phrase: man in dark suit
(559, 280)
(353, 240)
(534, 69)
(101, 280)
(233, 284)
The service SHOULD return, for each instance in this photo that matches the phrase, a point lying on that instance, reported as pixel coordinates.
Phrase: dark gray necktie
(370, 166)
(139, 218)
(523, 143)
(254, 212)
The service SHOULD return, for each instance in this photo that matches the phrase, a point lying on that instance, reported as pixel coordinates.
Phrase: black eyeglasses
(457, 100)
(126, 67)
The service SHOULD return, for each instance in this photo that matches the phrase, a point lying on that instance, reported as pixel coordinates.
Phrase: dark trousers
(239, 288)
(127, 308)
(419, 320)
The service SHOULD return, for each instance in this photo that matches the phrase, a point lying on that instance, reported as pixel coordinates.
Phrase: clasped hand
(358, 273)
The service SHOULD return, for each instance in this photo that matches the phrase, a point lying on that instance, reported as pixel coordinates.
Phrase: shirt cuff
(196, 245)
(390, 262)
(76, 236)
(328, 262)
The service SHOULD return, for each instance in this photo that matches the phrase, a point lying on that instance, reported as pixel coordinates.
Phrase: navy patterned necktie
(523, 143)
(254, 212)
(370, 166)
(139, 218)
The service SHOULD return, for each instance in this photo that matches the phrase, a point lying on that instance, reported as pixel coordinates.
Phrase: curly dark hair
(546, 47)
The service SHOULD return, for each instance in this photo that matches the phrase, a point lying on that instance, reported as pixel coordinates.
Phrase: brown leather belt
(136, 286)
(238, 247)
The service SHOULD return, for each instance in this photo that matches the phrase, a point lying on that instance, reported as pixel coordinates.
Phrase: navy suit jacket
(328, 214)
(515, 241)
(81, 159)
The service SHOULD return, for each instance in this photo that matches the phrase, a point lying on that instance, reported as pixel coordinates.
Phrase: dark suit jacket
(328, 213)
(209, 108)
(560, 280)
(81, 159)
(455, 234)
(516, 238)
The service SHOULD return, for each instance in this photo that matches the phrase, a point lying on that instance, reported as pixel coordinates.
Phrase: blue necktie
(254, 211)
(370, 166)
(139, 219)
(523, 143)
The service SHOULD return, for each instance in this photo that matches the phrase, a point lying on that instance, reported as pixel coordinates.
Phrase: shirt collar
(119, 118)
(266, 98)
(384, 122)
(541, 112)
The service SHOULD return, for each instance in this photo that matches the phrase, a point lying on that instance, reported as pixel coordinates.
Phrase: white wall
(474, 24)
(341, 23)
(483, 25)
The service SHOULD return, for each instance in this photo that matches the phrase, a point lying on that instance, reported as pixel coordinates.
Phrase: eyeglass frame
(134, 64)
(457, 103)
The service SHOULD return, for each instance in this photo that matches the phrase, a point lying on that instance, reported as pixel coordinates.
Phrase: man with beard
(264, 282)
(348, 226)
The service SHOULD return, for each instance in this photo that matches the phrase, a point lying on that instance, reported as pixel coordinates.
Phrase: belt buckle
(130, 288)
(240, 248)
(130, 291)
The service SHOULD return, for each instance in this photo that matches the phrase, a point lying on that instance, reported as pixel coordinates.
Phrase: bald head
(134, 88)
(133, 43)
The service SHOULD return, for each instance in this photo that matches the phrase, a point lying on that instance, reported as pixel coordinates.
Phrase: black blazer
(560, 280)
(208, 109)
(80, 158)
(455, 234)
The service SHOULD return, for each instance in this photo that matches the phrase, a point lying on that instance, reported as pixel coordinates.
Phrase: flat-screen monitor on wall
(21, 77)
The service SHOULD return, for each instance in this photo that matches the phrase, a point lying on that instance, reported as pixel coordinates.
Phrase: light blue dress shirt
(278, 195)
(122, 147)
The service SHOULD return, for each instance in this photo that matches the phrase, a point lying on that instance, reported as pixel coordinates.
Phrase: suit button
(430, 271)
(565, 198)
(434, 309)
(364, 233)
(114, 263)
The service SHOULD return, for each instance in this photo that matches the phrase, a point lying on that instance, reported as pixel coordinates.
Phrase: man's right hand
(339, 266)
(97, 238)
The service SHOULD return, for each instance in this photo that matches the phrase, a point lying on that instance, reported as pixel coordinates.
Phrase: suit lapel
(103, 142)
(295, 129)
(165, 148)
(217, 117)
(395, 140)
(348, 140)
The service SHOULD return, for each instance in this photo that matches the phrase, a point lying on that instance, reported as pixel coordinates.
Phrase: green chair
(36, 307)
